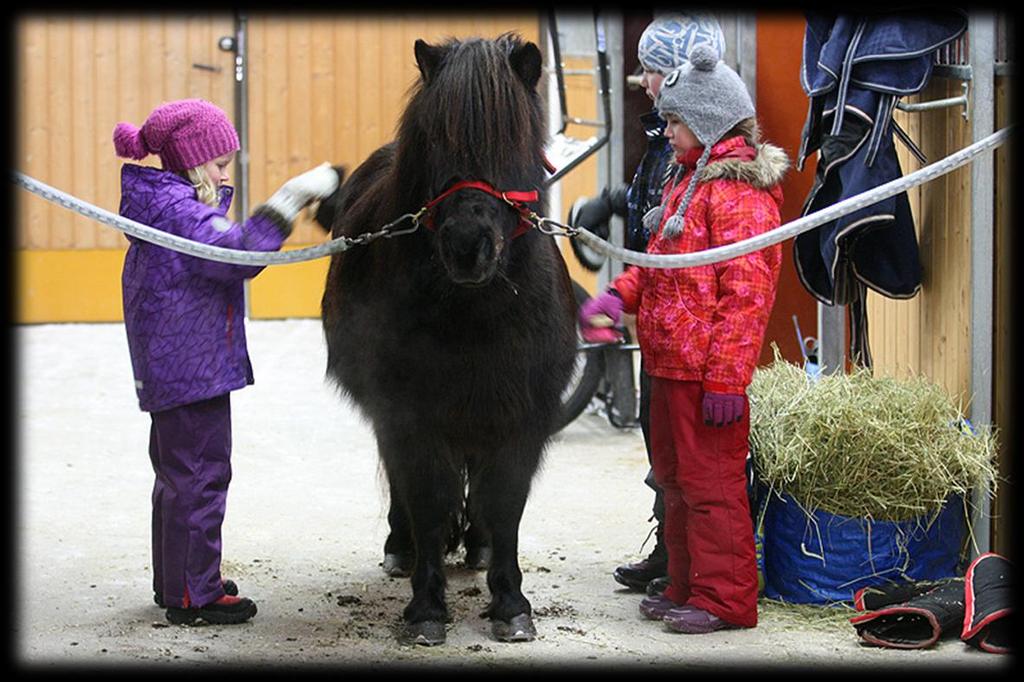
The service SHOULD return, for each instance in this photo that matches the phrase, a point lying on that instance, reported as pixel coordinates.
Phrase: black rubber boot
(227, 610)
(638, 575)
(230, 589)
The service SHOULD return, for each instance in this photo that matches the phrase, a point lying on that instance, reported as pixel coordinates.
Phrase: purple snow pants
(190, 449)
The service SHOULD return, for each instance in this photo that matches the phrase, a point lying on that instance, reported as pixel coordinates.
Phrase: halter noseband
(515, 199)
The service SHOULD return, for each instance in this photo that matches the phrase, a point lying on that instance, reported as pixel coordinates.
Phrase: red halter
(515, 199)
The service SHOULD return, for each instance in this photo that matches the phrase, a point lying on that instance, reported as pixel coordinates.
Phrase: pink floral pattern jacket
(707, 323)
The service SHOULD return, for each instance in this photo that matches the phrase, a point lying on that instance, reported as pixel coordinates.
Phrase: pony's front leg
(505, 485)
(426, 489)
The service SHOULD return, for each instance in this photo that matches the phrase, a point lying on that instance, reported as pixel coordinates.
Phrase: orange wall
(781, 110)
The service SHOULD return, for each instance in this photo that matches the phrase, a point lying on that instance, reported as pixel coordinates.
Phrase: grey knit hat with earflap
(710, 98)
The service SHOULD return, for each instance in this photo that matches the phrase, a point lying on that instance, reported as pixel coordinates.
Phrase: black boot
(230, 589)
(636, 576)
(658, 586)
(227, 610)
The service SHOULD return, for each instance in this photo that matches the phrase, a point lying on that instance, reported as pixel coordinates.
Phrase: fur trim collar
(764, 171)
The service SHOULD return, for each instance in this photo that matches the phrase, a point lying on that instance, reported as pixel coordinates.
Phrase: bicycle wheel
(586, 374)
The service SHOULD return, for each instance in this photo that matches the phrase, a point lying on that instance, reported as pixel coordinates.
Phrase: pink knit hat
(185, 133)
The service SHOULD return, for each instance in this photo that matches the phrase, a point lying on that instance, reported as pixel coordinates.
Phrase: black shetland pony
(457, 340)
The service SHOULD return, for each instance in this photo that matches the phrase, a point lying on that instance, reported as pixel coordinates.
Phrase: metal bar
(981, 29)
(585, 122)
(557, 61)
(832, 338)
(962, 72)
(963, 101)
(242, 114)
(609, 36)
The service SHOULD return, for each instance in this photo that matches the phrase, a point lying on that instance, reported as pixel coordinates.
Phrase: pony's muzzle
(469, 252)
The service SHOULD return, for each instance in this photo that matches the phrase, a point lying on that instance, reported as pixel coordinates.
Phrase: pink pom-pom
(128, 141)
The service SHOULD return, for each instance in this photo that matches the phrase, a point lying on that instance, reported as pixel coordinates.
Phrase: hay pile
(861, 446)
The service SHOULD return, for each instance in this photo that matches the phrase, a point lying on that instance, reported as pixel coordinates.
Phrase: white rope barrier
(801, 225)
(713, 255)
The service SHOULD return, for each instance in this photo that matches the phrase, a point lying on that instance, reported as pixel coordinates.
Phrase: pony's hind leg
(505, 486)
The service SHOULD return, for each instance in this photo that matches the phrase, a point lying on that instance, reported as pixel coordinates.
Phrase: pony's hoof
(397, 565)
(425, 633)
(478, 558)
(519, 629)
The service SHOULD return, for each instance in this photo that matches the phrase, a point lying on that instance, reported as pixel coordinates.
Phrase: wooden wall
(325, 87)
(930, 333)
(75, 78)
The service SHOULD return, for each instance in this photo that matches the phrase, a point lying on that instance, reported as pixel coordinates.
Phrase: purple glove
(721, 409)
(599, 315)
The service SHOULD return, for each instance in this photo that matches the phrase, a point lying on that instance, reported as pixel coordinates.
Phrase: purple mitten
(599, 315)
(721, 409)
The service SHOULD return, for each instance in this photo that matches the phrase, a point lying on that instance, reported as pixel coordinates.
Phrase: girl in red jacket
(700, 331)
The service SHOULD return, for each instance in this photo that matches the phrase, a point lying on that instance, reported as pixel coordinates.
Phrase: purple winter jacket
(184, 315)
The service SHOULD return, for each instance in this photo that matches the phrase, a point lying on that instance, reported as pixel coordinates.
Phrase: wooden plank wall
(77, 76)
(324, 87)
(930, 333)
(331, 87)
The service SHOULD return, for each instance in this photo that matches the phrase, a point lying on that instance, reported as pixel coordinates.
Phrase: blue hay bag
(822, 558)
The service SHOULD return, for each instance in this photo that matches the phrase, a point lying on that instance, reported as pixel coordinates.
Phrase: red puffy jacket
(707, 323)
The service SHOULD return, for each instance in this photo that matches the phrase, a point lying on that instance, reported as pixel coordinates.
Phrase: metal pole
(981, 36)
(242, 112)
(614, 151)
(832, 338)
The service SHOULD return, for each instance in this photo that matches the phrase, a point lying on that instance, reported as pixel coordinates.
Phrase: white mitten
(296, 193)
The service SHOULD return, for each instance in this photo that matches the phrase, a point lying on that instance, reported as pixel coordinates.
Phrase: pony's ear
(526, 61)
(427, 58)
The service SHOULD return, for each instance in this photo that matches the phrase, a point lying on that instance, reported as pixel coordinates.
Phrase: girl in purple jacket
(184, 317)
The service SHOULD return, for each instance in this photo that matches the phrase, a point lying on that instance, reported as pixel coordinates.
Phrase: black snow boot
(230, 589)
(636, 576)
(227, 610)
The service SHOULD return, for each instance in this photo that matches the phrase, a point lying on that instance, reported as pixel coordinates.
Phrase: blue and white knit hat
(666, 42)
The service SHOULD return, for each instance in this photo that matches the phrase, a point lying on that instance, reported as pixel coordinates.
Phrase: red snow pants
(708, 529)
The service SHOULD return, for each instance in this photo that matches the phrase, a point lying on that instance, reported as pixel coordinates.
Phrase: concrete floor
(304, 531)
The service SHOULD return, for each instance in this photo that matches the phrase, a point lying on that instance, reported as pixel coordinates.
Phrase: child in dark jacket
(700, 330)
(184, 318)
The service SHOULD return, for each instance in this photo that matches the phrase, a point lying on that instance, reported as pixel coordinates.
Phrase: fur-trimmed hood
(764, 171)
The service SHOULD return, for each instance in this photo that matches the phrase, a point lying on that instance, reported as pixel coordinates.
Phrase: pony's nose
(469, 250)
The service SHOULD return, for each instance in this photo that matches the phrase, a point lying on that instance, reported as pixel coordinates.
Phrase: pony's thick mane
(476, 116)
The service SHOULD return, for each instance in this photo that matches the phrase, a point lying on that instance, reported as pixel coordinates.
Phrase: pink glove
(721, 409)
(599, 316)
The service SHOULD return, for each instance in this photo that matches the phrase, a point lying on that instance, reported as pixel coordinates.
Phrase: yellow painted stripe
(81, 285)
(84, 285)
(292, 290)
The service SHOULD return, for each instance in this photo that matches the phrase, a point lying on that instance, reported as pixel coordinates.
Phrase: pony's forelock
(475, 117)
